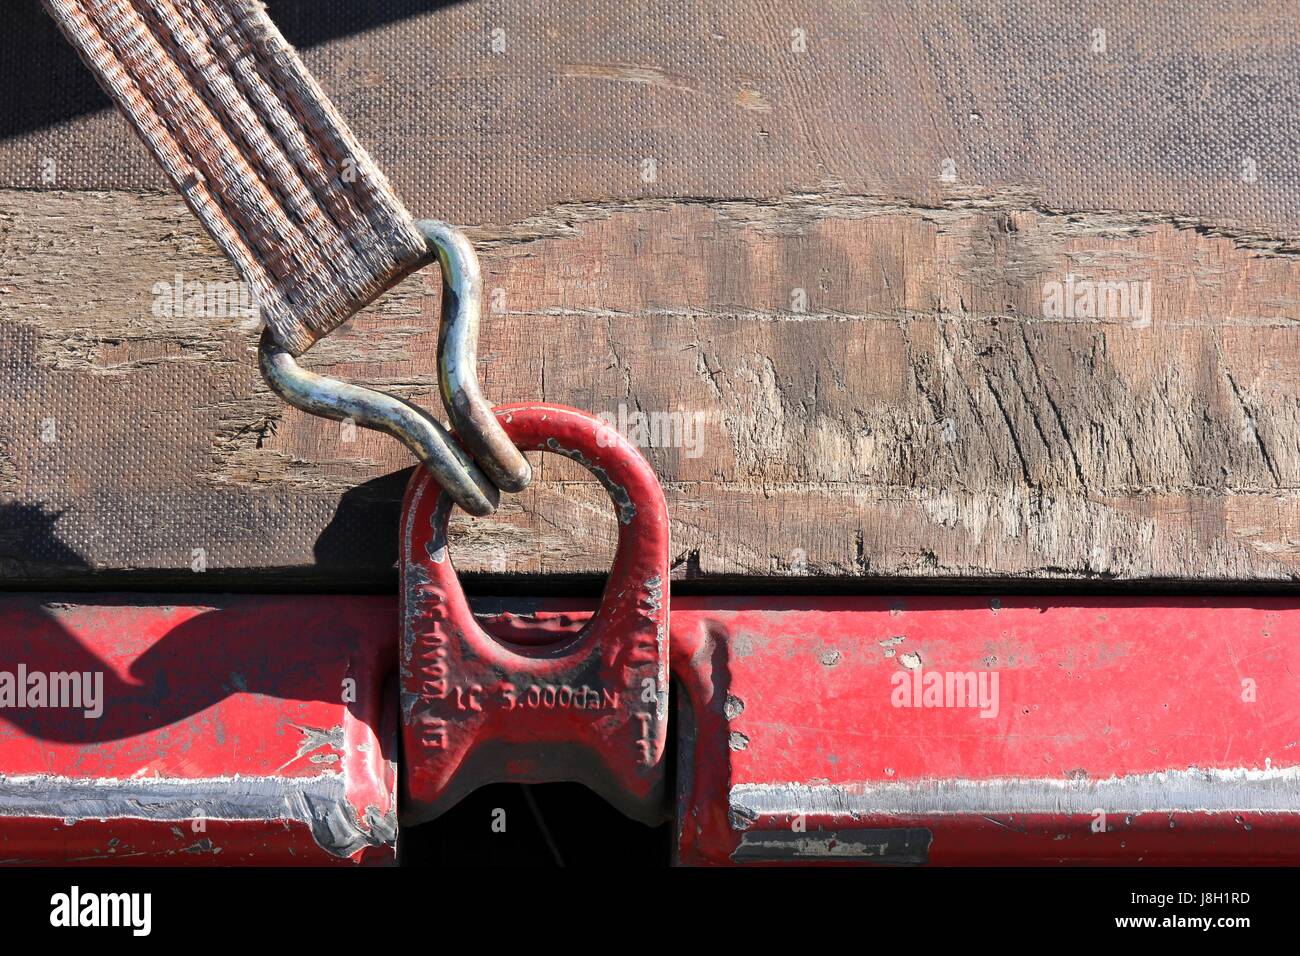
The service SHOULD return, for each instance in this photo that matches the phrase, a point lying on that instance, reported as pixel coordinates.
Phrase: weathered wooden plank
(824, 232)
(496, 111)
(911, 413)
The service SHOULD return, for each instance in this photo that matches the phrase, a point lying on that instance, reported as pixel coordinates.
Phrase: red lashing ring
(592, 709)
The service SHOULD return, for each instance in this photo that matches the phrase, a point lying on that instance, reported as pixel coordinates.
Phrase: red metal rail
(1121, 730)
(218, 731)
(969, 730)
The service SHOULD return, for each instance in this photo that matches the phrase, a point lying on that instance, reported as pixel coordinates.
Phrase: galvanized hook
(470, 414)
(469, 411)
(415, 428)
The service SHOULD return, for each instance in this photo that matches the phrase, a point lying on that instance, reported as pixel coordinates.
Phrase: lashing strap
(260, 154)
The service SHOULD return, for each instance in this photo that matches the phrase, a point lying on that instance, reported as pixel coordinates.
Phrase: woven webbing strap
(259, 153)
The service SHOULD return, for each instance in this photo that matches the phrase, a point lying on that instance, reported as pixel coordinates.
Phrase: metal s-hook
(470, 414)
(469, 411)
(415, 428)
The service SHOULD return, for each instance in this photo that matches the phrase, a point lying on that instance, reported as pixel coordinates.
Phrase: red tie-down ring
(593, 708)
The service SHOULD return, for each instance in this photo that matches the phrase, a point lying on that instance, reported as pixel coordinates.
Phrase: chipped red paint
(1124, 730)
(1127, 730)
(790, 748)
(228, 734)
(783, 706)
(591, 707)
